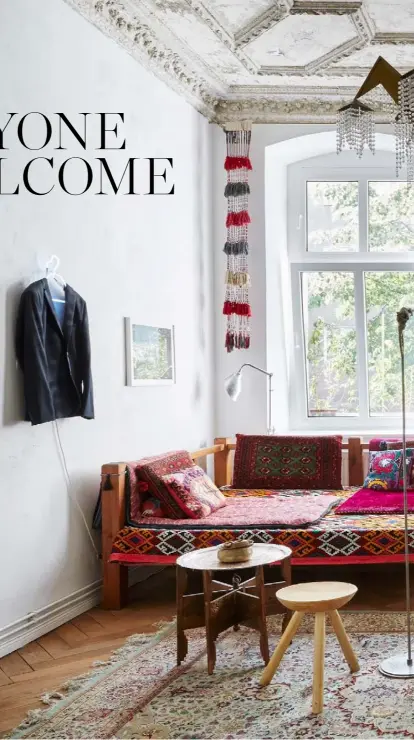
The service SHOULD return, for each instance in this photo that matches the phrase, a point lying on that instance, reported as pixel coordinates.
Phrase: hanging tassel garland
(236, 301)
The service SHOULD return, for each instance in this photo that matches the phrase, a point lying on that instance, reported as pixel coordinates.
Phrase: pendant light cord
(69, 487)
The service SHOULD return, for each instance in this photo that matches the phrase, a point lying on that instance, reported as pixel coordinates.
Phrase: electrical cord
(69, 487)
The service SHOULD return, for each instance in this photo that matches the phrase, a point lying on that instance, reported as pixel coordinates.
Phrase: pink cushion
(194, 492)
(371, 501)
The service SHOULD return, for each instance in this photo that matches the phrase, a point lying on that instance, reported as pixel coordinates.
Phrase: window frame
(301, 260)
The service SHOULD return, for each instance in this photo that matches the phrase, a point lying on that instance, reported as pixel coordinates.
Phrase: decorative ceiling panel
(299, 39)
(236, 14)
(204, 42)
(265, 60)
(401, 57)
(389, 16)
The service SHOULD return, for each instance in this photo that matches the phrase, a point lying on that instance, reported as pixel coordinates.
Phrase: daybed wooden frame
(115, 575)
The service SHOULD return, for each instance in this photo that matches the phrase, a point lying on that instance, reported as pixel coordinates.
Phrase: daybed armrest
(113, 519)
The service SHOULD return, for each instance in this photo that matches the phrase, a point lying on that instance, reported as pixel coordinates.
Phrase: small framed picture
(150, 354)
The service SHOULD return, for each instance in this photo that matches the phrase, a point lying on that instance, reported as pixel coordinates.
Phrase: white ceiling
(264, 60)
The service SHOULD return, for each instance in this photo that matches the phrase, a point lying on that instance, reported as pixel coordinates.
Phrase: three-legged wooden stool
(316, 598)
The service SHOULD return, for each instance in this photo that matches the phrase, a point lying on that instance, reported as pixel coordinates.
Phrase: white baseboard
(34, 625)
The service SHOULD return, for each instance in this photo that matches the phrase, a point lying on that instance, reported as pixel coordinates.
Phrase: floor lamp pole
(401, 666)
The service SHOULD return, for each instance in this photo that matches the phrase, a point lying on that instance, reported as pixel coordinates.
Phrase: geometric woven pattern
(263, 461)
(337, 539)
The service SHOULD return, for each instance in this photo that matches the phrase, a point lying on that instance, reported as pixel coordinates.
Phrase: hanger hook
(52, 264)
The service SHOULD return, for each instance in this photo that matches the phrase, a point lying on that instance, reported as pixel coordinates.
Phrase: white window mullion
(360, 325)
(363, 214)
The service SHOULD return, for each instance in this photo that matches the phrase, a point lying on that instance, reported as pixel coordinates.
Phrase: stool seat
(316, 597)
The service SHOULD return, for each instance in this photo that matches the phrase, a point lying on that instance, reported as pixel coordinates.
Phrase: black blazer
(56, 362)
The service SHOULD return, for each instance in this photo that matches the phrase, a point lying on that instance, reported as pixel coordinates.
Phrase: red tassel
(236, 340)
(229, 343)
(240, 309)
(243, 309)
(237, 219)
(237, 163)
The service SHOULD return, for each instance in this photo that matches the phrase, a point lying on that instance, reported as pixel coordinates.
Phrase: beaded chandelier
(355, 128)
(404, 125)
(355, 122)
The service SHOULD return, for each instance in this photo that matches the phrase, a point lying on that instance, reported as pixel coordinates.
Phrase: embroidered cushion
(386, 470)
(194, 492)
(391, 444)
(148, 473)
(264, 461)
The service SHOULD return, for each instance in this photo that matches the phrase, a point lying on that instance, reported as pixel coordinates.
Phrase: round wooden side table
(223, 605)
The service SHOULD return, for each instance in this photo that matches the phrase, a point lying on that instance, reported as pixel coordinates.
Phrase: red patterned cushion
(150, 471)
(264, 461)
(195, 492)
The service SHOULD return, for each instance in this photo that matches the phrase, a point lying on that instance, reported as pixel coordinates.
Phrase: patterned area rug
(142, 694)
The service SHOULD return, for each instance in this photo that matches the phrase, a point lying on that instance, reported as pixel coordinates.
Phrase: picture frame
(150, 354)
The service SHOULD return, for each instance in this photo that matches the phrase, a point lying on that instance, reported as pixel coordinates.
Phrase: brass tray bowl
(235, 552)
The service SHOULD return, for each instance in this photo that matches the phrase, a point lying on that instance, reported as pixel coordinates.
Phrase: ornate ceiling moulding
(318, 66)
(363, 25)
(117, 21)
(280, 92)
(199, 11)
(263, 22)
(272, 110)
(324, 7)
(394, 38)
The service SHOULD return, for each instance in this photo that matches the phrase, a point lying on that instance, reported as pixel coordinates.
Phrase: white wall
(269, 293)
(144, 257)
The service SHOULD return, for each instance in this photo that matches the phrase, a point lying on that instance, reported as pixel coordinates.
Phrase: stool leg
(343, 640)
(283, 645)
(318, 663)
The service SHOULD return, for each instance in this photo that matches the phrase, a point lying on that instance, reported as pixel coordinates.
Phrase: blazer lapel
(69, 313)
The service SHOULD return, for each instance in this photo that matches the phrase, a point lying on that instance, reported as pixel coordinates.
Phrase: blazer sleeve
(20, 330)
(88, 411)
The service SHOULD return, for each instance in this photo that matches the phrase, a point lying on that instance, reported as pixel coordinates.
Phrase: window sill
(365, 435)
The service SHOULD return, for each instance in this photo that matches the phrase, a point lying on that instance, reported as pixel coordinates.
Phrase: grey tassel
(236, 248)
(234, 189)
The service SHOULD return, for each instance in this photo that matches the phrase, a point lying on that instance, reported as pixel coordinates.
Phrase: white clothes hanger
(56, 282)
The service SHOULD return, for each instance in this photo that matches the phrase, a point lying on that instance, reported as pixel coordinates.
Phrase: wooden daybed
(335, 539)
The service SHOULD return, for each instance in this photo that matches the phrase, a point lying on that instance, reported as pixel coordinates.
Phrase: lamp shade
(233, 385)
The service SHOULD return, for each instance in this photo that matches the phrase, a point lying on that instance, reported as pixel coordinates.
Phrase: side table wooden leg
(211, 647)
(286, 570)
(318, 663)
(261, 617)
(346, 646)
(283, 645)
(181, 586)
